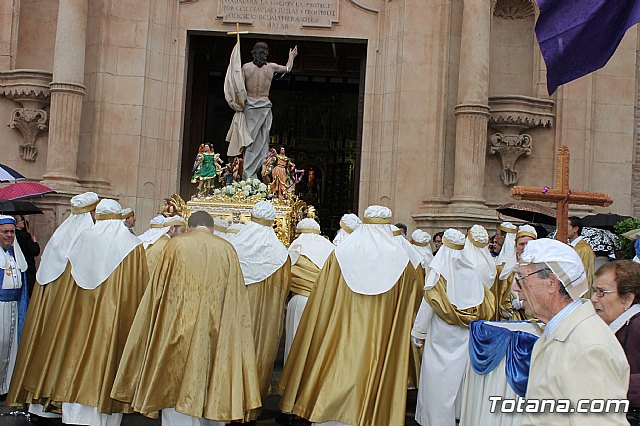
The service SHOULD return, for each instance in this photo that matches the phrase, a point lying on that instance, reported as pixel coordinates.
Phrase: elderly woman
(616, 298)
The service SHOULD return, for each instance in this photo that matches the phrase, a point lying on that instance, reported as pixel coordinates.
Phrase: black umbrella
(603, 220)
(18, 207)
(529, 212)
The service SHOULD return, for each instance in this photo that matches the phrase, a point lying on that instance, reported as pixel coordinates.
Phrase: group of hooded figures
(188, 324)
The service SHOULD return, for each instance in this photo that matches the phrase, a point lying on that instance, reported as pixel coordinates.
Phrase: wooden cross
(561, 195)
(237, 32)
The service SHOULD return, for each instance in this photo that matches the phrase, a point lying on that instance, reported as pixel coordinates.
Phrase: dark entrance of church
(317, 113)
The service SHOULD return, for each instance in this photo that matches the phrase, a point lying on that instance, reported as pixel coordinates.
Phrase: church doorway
(317, 113)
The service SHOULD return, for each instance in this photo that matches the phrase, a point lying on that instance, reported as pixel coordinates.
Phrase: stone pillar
(472, 111)
(67, 92)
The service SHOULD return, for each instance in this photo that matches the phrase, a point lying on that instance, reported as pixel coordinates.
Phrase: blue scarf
(488, 344)
(19, 295)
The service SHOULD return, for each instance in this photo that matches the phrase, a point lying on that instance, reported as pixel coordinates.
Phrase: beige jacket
(582, 359)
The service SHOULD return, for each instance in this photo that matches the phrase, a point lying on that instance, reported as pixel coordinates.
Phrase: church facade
(450, 101)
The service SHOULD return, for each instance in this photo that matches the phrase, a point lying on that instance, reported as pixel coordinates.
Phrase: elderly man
(349, 359)
(13, 299)
(578, 357)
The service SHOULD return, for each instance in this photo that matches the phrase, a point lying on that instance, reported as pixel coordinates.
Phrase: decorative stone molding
(510, 116)
(510, 148)
(514, 9)
(30, 89)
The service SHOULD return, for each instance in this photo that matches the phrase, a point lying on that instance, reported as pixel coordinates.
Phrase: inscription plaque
(280, 15)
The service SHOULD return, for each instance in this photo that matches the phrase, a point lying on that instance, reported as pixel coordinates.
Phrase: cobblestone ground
(8, 417)
(268, 416)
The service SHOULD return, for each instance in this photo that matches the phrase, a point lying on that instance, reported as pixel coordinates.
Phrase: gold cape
(191, 344)
(588, 258)
(303, 275)
(34, 326)
(501, 290)
(76, 359)
(154, 252)
(267, 299)
(415, 354)
(439, 301)
(351, 353)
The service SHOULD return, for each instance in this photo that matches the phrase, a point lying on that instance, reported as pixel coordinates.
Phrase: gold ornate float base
(238, 210)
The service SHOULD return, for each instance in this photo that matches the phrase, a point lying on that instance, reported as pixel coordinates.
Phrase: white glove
(516, 303)
(417, 342)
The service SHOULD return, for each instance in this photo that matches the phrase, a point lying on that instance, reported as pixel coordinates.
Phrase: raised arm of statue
(287, 68)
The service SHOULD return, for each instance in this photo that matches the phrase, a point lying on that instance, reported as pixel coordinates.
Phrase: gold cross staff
(237, 32)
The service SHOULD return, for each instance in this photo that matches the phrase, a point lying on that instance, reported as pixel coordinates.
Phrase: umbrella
(22, 190)
(599, 239)
(18, 207)
(7, 174)
(603, 220)
(530, 212)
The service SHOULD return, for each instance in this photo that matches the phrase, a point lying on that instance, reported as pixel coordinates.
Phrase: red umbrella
(23, 190)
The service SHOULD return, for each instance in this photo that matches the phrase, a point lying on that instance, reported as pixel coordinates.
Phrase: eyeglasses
(601, 293)
(520, 278)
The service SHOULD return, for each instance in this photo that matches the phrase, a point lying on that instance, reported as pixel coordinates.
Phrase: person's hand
(293, 52)
(33, 237)
(517, 304)
(416, 342)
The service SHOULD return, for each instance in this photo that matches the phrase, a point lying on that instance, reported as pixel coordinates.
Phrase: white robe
(9, 329)
(444, 361)
(295, 309)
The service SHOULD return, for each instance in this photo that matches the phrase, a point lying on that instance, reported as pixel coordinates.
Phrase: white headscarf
(54, 257)
(562, 259)
(421, 241)
(527, 231)
(476, 250)
(507, 253)
(259, 250)
(99, 250)
(21, 262)
(371, 259)
(155, 232)
(414, 257)
(174, 221)
(233, 230)
(126, 213)
(349, 223)
(310, 244)
(464, 287)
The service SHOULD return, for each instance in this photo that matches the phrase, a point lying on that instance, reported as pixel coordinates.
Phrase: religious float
(225, 196)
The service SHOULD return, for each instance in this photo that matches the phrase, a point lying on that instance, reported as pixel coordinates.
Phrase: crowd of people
(184, 321)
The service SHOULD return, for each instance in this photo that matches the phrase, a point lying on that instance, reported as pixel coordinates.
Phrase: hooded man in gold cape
(175, 226)
(52, 274)
(190, 352)
(506, 264)
(349, 359)
(266, 269)
(74, 363)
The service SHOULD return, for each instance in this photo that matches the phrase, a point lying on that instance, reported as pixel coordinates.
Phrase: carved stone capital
(514, 9)
(29, 122)
(510, 148)
(30, 89)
